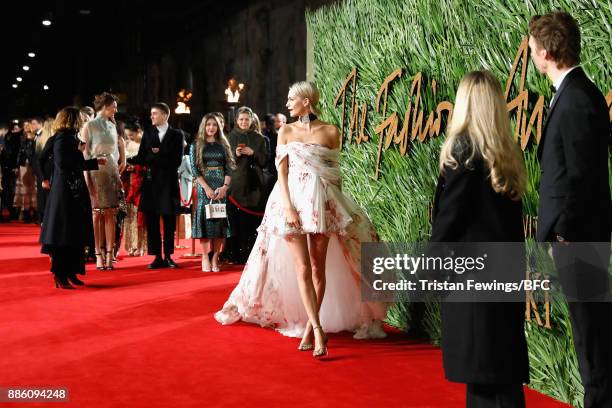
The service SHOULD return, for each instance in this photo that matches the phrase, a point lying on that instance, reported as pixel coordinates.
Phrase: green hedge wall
(443, 41)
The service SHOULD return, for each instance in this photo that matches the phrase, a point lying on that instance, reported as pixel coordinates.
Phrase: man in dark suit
(161, 151)
(575, 207)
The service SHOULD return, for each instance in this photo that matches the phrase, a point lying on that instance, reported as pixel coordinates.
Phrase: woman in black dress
(68, 226)
(478, 200)
(212, 163)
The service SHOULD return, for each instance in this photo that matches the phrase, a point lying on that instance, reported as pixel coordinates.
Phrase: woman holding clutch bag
(212, 163)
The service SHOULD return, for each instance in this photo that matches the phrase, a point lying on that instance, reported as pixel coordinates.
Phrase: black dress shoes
(157, 263)
(171, 263)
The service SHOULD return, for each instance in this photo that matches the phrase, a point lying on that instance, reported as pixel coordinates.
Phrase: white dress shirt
(162, 131)
(558, 83)
(559, 80)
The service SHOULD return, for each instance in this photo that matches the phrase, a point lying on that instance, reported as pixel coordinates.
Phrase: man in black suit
(575, 207)
(161, 151)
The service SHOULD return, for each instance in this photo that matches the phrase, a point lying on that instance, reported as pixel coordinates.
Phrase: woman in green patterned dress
(212, 163)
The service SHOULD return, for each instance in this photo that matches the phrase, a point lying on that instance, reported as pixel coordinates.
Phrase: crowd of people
(132, 183)
(287, 218)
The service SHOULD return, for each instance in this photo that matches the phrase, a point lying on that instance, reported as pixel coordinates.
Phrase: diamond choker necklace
(307, 119)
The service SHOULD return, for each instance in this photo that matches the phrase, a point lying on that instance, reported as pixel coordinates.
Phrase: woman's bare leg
(217, 247)
(205, 249)
(317, 249)
(97, 219)
(109, 235)
(298, 246)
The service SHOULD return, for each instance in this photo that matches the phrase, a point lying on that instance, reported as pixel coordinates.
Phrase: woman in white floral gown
(309, 242)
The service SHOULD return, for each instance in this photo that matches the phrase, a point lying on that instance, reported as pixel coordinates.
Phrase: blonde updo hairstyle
(307, 90)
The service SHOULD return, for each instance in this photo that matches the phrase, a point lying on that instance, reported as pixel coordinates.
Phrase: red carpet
(139, 338)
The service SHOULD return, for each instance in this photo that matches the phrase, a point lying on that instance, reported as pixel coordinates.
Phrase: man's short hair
(162, 107)
(558, 33)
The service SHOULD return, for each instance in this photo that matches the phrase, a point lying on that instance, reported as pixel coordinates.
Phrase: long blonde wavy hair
(219, 137)
(480, 121)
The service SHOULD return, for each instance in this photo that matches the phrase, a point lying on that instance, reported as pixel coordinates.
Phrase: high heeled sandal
(321, 352)
(109, 261)
(204, 269)
(100, 258)
(306, 346)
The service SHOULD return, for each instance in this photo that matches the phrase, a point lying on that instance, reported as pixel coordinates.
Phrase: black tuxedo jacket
(160, 188)
(574, 189)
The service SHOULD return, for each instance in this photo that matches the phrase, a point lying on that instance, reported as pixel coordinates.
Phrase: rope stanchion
(178, 218)
(241, 208)
(194, 200)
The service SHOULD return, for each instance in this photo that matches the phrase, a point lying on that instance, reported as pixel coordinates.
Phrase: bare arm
(85, 136)
(121, 146)
(291, 214)
(333, 136)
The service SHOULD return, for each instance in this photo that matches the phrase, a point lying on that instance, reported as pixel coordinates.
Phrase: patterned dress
(214, 169)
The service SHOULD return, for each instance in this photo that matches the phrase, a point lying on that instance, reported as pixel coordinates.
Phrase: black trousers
(495, 396)
(66, 261)
(244, 232)
(154, 235)
(583, 273)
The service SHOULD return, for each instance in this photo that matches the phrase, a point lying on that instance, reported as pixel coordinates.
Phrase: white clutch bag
(215, 211)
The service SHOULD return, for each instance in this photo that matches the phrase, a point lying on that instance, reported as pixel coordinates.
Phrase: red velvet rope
(241, 208)
(193, 192)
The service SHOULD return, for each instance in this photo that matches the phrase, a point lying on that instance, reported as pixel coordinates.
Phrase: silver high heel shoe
(322, 351)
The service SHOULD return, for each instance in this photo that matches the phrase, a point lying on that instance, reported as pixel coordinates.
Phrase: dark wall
(262, 44)
(147, 54)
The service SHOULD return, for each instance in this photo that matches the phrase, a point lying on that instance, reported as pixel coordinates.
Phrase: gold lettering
(523, 129)
(413, 128)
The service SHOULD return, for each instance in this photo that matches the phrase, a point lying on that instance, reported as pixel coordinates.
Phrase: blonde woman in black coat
(478, 199)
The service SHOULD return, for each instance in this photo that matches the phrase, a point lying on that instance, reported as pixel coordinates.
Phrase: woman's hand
(292, 218)
(248, 151)
(210, 193)
(221, 192)
(122, 167)
(239, 151)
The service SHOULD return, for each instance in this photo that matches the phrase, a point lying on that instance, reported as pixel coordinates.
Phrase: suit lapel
(568, 79)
